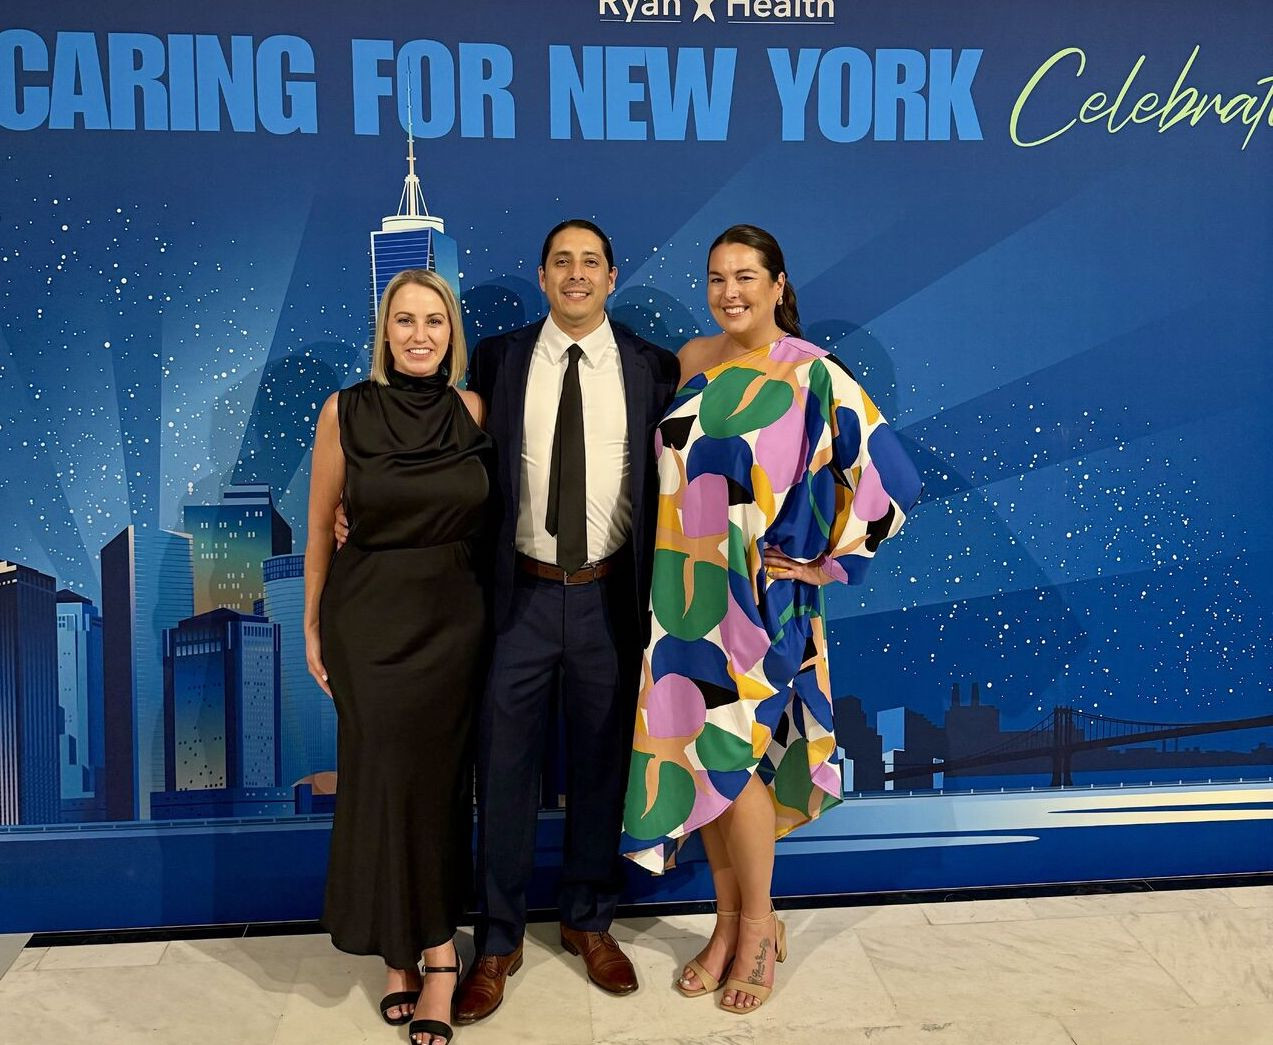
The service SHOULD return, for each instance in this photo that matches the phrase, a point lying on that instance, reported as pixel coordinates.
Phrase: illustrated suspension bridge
(1067, 731)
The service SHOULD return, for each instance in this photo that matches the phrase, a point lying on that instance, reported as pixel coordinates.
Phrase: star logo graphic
(704, 10)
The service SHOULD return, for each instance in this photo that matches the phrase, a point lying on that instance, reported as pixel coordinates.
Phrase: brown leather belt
(552, 572)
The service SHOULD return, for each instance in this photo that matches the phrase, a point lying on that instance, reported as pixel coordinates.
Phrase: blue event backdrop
(1041, 234)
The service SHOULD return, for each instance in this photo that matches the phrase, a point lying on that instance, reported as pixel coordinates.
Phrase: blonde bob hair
(457, 356)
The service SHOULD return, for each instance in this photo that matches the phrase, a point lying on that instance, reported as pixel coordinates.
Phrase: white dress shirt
(605, 426)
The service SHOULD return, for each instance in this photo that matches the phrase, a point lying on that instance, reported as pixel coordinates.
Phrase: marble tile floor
(1179, 967)
(11, 945)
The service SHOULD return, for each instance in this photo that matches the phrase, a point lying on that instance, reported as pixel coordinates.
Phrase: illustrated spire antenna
(411, 238)
(412, 204)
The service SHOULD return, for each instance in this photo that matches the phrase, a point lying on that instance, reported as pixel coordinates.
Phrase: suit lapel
(636, 393)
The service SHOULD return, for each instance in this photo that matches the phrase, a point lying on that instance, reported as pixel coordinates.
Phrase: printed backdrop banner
(1040, 234)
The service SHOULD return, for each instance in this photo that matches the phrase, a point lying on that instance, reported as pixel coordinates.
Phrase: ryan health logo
(814, 12)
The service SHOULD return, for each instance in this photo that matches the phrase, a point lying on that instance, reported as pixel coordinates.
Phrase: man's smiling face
(577, 280)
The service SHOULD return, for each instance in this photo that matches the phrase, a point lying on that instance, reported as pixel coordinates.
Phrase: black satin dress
(402, 626)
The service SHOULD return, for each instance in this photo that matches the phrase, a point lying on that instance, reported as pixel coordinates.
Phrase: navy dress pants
(579, 641)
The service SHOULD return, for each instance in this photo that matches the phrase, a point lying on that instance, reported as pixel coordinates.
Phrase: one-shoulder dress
(402, 625)
(779, 447)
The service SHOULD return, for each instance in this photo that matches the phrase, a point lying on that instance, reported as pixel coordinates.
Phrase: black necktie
(567, 490)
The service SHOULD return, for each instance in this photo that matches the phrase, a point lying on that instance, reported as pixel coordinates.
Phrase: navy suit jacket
(498, 373)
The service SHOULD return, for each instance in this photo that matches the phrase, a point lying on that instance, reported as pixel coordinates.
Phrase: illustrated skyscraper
(307, 716)
(411, 239)
(29, 783)
(221, 677)
(231, 540)
(863, 768)
(970, 728)
(81, 748)
(909, 740)
(147, 586)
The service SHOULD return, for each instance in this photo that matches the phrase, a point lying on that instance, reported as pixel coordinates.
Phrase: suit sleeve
(669, 379)
(875, 483)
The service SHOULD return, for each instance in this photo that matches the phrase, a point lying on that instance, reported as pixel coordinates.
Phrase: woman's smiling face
(742, 294)
(418, 330)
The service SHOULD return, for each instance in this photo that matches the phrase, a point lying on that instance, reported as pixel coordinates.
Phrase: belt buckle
(590, 567)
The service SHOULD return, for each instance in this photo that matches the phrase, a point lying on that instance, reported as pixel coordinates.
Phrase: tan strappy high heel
(757, 990)
(708, 984)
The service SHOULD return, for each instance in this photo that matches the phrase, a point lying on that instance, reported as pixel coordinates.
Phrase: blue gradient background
(1074, 339)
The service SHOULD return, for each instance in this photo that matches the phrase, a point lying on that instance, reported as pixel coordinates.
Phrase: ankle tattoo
(758, 973)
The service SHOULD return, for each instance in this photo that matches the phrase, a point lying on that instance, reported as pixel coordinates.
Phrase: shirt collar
(557, 343)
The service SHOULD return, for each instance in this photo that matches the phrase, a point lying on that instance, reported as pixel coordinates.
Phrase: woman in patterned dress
(777, 475)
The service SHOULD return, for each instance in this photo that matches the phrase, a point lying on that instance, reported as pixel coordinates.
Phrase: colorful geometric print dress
(779, 447)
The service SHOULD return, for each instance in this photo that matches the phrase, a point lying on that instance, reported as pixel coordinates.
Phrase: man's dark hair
(576, 223)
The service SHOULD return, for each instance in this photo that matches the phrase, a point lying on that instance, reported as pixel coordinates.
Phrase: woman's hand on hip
(780, 567)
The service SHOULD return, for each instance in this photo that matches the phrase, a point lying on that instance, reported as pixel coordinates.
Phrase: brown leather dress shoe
(608, 967)
(483, 989)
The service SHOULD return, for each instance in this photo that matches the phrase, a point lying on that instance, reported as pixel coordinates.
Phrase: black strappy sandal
(436, 1028)
(398, 998)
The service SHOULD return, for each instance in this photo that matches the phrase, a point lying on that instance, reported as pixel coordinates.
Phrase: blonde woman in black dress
(393, 628)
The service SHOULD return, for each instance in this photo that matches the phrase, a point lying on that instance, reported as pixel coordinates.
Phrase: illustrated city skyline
(187, 694)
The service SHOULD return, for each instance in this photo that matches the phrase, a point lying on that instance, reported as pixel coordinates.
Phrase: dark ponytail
(786, 312)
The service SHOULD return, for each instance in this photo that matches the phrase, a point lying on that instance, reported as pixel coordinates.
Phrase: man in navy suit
(572, 403)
